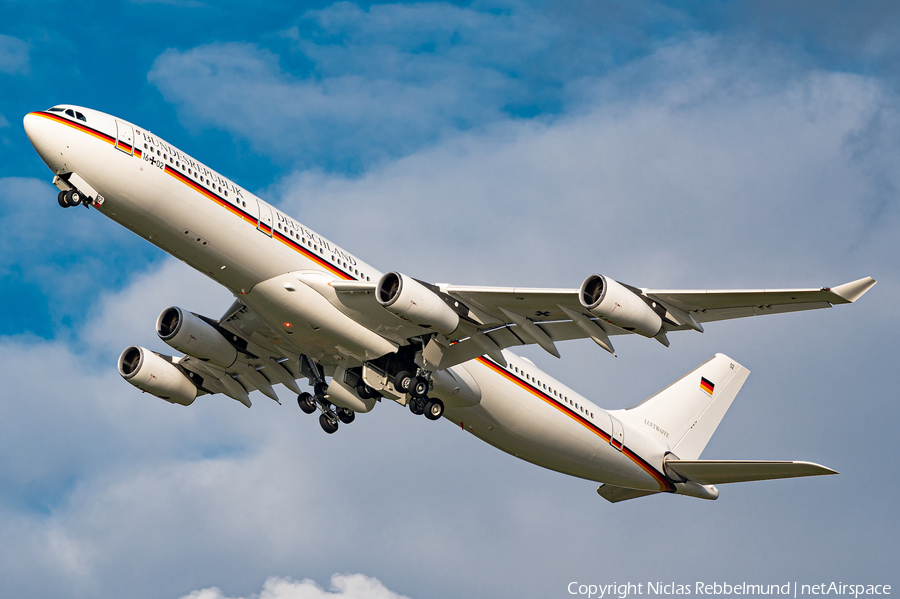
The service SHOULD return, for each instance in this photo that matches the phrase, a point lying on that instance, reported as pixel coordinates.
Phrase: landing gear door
(125, 137)
(265, 218)
(617, 439)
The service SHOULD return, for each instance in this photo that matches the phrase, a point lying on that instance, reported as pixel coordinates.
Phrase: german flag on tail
(707, 386)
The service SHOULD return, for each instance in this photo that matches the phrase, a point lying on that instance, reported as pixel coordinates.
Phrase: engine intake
(191, 335)
(154, 374)
(413, 301)
(616, 304)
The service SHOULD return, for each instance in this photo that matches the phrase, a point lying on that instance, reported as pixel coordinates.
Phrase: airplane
(306, 308)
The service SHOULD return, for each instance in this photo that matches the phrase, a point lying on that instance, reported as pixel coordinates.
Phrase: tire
(419, 387)
(364, 391)
(306, 403)
(73, 197)
(403, 381)
(346, 416)
(434, 409)
(328, 425)
(417, 407)
(61, 199)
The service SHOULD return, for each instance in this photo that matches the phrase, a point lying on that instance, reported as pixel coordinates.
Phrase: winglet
(854, 290)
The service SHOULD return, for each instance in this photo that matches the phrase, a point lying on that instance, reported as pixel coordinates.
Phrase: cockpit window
(80, 117)
(70, 112)
(56, 109)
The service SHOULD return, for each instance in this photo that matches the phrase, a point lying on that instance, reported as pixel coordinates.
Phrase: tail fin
(688, 411)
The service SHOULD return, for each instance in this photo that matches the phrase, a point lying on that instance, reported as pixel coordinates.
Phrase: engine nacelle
(412, 301)
(343, 395)
(151, 373)
(616, 304)
(191, 335)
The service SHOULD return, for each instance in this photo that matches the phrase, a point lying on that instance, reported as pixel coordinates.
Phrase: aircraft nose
(31, 126)
(37, 130)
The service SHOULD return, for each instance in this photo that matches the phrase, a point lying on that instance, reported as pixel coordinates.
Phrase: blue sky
(666, 144)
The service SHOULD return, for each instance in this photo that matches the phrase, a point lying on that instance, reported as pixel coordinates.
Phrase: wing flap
(719, 472)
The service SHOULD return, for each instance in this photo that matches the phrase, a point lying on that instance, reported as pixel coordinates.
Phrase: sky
(696, 145)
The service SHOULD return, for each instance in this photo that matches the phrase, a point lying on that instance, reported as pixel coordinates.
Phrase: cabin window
(178, 164)
(226, 193)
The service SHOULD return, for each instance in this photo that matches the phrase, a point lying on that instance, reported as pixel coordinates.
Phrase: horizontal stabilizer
(614, 494)
(717, 472)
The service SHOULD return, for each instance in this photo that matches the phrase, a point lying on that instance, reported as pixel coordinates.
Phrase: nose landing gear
(69, 198)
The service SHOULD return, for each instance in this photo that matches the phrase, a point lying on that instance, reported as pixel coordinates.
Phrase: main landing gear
(418, 387)
(331, 414)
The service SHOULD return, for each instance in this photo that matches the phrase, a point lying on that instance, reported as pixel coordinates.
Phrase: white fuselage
(247, 245)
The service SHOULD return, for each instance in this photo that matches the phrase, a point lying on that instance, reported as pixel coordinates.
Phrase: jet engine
(191, 335)
(413, 301)
(154, 374)
(618, 305)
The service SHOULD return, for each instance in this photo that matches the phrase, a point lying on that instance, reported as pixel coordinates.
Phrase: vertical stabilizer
(687, 412)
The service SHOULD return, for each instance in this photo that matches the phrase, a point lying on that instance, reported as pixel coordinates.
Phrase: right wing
(264, 359)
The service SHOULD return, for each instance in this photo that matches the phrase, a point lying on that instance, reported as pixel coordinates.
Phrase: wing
(263, 359)
(502, 316)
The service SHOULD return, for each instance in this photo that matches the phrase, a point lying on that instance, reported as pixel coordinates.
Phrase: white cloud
(383, 81)
(13, 56)
(343, 586)
(648, 189)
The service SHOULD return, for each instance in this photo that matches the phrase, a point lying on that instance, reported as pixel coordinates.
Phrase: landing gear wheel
(61, 199)
(320, 389)
(417, 406)
(364, 391)
(434, 409)
(329, 423)
(419, 387)
(306, 403)
(73, 197)
(346, 416)
(403, 381)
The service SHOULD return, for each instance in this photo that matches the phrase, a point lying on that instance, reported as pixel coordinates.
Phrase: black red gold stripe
(201, 189)
(706, 385)
(312, 256)
(83, 128)
(663, 482)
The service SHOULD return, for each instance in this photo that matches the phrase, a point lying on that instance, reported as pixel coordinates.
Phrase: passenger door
(125, 137)
(264, 224)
